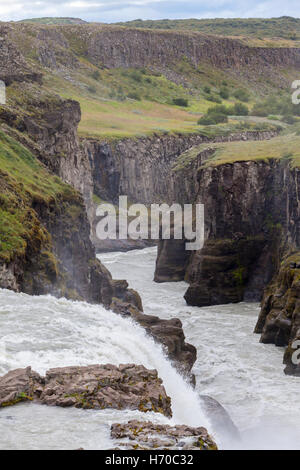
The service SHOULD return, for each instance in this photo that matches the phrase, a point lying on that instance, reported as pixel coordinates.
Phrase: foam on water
(232, 366)
(45, 332)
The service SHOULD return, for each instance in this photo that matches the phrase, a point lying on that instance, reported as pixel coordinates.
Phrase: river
(232, 366)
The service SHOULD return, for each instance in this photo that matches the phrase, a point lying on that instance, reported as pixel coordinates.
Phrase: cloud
(123, 10)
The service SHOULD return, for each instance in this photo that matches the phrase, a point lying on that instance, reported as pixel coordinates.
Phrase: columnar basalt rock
(139, 168)
(251, 217)
(115, 47)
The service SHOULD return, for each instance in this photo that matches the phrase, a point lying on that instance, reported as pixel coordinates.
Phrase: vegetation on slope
(124, 102)
(131, 102)
(53, 20)
(283, 147)
(283, 27)
(25, 183)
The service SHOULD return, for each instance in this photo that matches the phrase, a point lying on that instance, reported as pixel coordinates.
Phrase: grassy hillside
(127, 102)
(285, 146)
(24, 183)
(157, 98)
(284, 27)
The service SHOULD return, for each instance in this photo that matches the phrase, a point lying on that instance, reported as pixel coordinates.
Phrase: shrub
(180, 102)
(224, 93)
(96, 75)
(212, 118)
(206, 120)
(239, 109)
(218, 118)
(133, 95)
(136, 75)
(289, 119)
(218, 109)
(214, 99)
(206, 89)
(281, 105)
(241, 95)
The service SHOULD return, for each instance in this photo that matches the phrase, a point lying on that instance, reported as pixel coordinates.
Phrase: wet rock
(170, 334)
(128, 386)
(18, 385)
(139, 435)
(279, 319)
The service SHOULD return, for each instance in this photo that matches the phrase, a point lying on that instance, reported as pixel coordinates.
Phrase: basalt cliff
(46, 203)
(48, 239)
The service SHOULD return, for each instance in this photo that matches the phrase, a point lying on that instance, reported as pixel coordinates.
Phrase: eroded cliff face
(251, 249)
(143, 169)
(58, 48)
(54, 253)
(252, 217)
(279, 319)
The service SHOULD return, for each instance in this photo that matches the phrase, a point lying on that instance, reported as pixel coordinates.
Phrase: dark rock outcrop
(139, 435)
(279, 319)
(241, 252)
(93, 387)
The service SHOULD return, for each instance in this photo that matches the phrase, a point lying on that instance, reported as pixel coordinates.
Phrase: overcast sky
(109, 11)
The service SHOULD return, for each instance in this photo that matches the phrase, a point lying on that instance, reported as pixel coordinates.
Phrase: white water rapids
(232, 366)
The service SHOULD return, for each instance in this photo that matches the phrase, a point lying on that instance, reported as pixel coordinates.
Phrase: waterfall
(45, 332)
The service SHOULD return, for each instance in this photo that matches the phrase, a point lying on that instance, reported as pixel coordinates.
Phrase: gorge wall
(58, 47)
(252, 208)
(48, 197)
(142, 168)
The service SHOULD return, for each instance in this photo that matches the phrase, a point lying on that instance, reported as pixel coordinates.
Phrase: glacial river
(246, 377)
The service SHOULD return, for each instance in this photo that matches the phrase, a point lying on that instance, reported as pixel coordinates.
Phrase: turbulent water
(233, 367)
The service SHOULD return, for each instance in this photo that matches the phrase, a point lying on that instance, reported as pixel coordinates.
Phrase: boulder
(128, 386)
(18, 385)
(139, 435)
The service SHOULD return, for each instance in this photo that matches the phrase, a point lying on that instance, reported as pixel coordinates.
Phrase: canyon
(252, 209)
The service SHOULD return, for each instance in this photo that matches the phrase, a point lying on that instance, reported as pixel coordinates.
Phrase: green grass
(108, 112)
(283, 27)
(285, 147)
(23, 181)
(106, 95)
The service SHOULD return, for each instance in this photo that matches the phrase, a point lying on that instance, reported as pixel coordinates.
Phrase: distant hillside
(284, 27)
(57, 21)
(133, 81)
